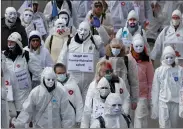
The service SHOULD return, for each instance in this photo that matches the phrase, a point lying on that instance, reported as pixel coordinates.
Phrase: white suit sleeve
(146, 43)
(62, 58)
(49, 61)
(126, 96)
(148, 10)
(48, 10)
(25, 115)
(79, 103)
(103, 34)
(74, 16)
(119, 33)
(34, 66)
(66, 112)
(155, 94)
(95, 124)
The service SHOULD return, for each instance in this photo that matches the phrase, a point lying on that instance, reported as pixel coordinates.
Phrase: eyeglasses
(98, 5)
(109, 71)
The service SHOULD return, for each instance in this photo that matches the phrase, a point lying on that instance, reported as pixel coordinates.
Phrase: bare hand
(133, 105)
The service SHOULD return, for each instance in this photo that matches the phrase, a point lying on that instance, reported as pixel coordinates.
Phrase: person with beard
(47, 105)
(82, 42)
(131, 28)
(20, 63)
(9, 24)
(61, 4)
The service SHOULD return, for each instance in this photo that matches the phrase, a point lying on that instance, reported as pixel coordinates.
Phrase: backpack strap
(92, 39)
(26, 54)
(127, 119)
(69, 40)
(73, 106)
(126, 62)
(51, 39)
(107, 57)
(101, 121)
(71, 30)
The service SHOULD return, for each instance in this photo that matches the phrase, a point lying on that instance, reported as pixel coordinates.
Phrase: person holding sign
(80, 54)
(71, 89)
(131, 28)
(21, 63)
(174, 32)
(167, 83)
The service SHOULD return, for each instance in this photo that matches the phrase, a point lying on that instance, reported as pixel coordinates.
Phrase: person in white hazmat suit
(40, 20)
(165, 90)
(82, 42)
(174, 32)
(113, 115)
(94, 104)
(55, 41)
(21, 63)
(36, 46)
(27, 20)
(47, 105)
(71, 89)
(131, 28)
(61, 4)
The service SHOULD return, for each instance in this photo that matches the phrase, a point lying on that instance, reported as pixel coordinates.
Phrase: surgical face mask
(49, 82)
(169, 59)
(62, 77)
(175, 22)
(116, 51)
(116, 109)
(65, 17)
(108, 77)
(83, 32)
(104, 91)
(11, 16)
(138, 48)
(28, 16)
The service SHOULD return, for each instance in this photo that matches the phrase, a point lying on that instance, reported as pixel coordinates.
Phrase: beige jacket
(56, 45)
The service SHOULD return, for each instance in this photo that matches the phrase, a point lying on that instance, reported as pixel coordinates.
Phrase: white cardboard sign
(81, 62)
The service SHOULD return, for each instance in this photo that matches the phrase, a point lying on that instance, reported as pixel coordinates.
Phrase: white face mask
(116, 109)
(11, 47)
(60, 28)
(169, 59)
(28, 16)
(11, 15)
(49, 82)
(83, 32)
(62, 77)
(138, 47)
(175, 22)
(104, 92)
(64, 16)
(116, 51)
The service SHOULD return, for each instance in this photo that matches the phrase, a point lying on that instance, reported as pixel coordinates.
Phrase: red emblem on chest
(7, 83)
(178, 35)
(123, 3)
(121, 90)
(70, 92)
(18, 66)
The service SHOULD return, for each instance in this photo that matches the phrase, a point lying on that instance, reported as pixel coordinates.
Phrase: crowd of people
(92, 65)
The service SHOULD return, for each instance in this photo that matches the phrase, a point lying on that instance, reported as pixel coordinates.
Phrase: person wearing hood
(131, 28)
(174, 32)
(72, 90)
(27, 20)
(82, 42)
(20, 63)
(55, 41)
(47, 105)
(145, 76)
(100, 21)
(40, 20)
(9, 24)
(165, 90)
(37, 48)
(113, 116)
(99, 93)
(61, 4)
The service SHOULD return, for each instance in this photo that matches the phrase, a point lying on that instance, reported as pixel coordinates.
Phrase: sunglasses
(98, 5)
(109, 71)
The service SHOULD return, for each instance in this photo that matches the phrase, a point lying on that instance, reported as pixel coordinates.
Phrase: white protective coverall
(20, 69)
(48, 13)
(125, 35)
(41, 53)
(27, 20)
(75, 97)
(112, 116)
(46, 109)
(168, 34)
(120, 88)
(78, 46)
(165, 90)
